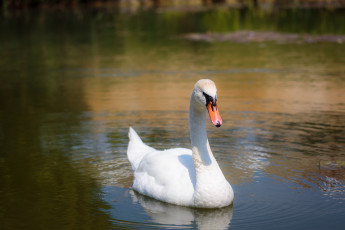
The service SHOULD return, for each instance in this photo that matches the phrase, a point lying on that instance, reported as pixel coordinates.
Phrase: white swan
(182, 176)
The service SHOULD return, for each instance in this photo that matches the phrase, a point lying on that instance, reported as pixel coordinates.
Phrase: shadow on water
(40, 184)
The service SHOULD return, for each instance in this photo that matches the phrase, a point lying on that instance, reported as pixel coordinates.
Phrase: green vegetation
(315, 21)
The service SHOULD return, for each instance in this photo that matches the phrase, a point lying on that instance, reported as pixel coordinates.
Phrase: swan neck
(197, 124)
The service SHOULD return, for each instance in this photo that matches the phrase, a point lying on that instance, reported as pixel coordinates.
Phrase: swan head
(205, 93)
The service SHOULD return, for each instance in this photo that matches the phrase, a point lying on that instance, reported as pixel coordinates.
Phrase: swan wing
(167, 175)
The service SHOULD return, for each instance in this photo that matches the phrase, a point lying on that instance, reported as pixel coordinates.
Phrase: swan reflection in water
(168, 214)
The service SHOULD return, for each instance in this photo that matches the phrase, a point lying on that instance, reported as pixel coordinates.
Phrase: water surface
(73, 82)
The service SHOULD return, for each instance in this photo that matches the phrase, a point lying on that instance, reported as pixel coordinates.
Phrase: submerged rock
(254, 36)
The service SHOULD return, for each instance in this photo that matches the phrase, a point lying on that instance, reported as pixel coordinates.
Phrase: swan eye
(210, 99)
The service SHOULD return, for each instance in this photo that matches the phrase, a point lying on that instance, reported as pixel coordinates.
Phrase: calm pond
(72, 82)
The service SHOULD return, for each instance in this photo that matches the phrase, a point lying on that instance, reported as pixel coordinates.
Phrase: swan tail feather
(137, 149)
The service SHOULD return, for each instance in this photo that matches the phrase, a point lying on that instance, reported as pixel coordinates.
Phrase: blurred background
(75, 74)
(172, 3)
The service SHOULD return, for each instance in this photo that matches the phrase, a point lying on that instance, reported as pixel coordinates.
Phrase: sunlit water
(68, 96)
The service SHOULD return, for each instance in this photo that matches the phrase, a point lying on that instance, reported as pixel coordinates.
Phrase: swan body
(182, 176)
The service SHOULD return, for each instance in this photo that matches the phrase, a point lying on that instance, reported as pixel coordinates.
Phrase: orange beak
(214, 114)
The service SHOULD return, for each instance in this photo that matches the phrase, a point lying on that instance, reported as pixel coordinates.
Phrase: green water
(72, 82)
